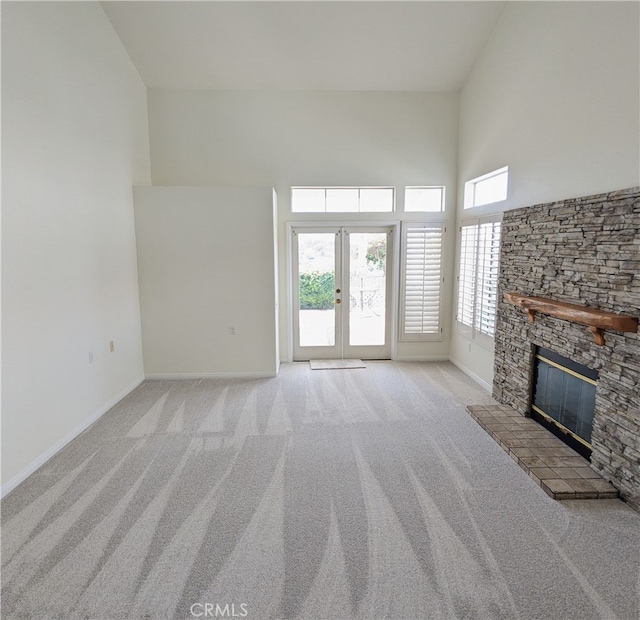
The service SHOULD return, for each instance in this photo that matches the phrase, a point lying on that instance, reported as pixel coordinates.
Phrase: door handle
(338, 301)
(337, 290)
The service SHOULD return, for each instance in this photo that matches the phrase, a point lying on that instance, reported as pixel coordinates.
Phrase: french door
(341, 292)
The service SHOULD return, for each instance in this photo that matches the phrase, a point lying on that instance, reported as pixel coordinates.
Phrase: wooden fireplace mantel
(596, 320)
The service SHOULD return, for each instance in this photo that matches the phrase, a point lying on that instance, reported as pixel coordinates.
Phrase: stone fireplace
(585, 251)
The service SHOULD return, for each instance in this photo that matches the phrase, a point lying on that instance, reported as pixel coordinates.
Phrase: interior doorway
(341, 292)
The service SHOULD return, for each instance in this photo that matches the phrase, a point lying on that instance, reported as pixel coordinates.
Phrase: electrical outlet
(112, 346)
(232, 330)
(90, 357)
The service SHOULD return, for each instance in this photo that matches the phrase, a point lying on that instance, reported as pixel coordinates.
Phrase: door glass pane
(317, 286)
(367, 277)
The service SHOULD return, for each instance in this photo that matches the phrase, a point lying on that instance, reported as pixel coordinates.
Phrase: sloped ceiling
(271, 45)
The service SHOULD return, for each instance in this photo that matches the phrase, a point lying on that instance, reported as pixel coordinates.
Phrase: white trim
(211, 375)
(337, 223)
(70, 436)
(396, 239)
(289, 291)
(481, 382)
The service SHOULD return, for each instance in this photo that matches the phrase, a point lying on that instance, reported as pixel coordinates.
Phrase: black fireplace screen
(564, 396)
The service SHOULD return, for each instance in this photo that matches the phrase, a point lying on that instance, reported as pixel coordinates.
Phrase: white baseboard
(481, 382)
(421, 358)
(72, 434)
(210, 375)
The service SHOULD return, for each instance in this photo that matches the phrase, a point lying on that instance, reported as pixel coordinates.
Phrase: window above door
(342, 199)
(424, 199)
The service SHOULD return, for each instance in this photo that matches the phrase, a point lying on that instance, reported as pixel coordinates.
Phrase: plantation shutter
(422, 281)
(487, 277)
(467, 274)
(478, 278)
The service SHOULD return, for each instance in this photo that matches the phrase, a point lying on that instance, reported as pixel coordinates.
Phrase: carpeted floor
(368, 494)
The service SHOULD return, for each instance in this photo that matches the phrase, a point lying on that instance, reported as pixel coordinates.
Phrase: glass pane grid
(342, 199)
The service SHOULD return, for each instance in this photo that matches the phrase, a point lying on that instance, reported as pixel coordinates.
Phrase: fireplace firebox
(563, 398)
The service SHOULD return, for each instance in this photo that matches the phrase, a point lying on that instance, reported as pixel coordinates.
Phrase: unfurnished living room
(320, 310)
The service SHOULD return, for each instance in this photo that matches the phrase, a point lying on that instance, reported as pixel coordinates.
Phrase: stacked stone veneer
(584, 251)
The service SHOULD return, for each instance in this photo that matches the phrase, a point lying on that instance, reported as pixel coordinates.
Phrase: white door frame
(393, 257)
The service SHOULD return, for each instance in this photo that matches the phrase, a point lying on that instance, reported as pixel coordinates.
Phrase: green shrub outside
(317, 291)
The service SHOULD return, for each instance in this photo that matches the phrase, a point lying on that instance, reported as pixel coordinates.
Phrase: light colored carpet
(314, 496)
(336, 364)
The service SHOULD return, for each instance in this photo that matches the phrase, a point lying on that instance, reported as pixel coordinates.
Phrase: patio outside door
(341, 292)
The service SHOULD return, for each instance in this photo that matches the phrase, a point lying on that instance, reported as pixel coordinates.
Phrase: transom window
(487, 189)
(426, 199)
(342, 199)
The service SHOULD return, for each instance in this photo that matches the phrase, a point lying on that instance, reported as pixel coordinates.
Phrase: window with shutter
(467, 275)
(478, 278)
(487, 278)
(421, 281)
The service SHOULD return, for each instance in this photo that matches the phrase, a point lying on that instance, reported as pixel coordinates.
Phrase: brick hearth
(553, 466)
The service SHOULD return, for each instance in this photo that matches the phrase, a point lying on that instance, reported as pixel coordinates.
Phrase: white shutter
(467, 274)
(422, 281)
(487, 280)
(478, 279)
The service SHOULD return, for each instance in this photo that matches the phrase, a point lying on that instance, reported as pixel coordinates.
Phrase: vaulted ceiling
(324, 45)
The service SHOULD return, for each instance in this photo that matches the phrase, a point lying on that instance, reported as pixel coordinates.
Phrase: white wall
(74, 141)
(555, 96)
(207, 264)
(283, 139)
